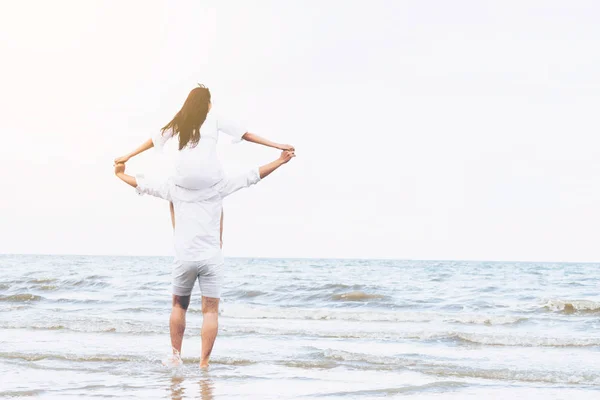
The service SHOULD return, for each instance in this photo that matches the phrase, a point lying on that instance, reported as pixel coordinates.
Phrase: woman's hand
(286, 147)
(122, 160)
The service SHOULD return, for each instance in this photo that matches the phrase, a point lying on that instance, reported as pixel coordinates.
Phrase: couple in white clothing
(195, 192)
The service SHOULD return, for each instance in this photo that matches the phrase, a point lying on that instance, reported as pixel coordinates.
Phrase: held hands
(267, 169)
(286, 156)
(120, 173)
(122, 160)
(286, 147)
(119, 168)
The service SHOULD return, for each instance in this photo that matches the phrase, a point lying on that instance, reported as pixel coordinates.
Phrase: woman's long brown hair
(187, 122)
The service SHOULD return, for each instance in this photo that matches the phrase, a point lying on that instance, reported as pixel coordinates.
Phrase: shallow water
(83, 327)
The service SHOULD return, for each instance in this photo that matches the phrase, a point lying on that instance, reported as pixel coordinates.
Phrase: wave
(92, 281)
(385, 392)
(347, 356)
(486, 320)
(465, 338)
(308, 294)
(250, 312)
(529, 376)
(48, 287)
(245, 294)
(309, 364)
(90, 326)
(257, 312)
(41, 280)
(22, 393)
(572, 306)
(21, 298)
(49, 327)
(451, 370)
(356, 296)
(524, 341)
(110, 358)
(335, 286)
(139, 310)
(55, 283)
(69, 357)
(81, 301)
(221, 361)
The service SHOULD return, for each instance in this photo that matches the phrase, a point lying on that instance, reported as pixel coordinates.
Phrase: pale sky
(424, 129)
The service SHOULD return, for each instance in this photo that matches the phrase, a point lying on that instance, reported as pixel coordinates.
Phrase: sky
(423, 129)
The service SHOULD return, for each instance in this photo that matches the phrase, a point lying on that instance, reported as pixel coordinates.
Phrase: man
(197, 246)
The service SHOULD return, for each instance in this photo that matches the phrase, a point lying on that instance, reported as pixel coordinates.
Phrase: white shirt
(197, 212)
(198, 167)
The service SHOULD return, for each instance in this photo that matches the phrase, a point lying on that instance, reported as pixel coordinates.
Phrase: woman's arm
(148, 144)
(251, 137)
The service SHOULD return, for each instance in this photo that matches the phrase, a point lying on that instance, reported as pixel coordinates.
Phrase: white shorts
(208, 272)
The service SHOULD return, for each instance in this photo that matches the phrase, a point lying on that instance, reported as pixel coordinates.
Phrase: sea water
(95, 327)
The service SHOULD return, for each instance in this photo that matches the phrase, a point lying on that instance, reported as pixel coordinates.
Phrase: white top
(197, 212)
(198, 167)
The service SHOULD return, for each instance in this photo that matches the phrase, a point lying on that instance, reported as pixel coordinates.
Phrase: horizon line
(308, 258)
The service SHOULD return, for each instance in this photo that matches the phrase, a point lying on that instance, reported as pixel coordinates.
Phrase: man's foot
(203, 364)
(173, 361)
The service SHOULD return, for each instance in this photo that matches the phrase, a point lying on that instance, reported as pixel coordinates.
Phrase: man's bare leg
(210, 327)
(177, 321)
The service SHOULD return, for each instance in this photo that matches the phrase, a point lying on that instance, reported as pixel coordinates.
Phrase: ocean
(97, 327)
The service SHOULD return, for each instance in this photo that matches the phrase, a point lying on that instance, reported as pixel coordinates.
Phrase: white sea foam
(573, 306)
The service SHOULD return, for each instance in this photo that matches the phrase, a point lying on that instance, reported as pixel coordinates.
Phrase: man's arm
(232, 185)
(266, 169)
(251, 137)
(156, 188)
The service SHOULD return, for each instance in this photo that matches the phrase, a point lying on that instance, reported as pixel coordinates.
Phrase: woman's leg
(221, 233)
(173, 215)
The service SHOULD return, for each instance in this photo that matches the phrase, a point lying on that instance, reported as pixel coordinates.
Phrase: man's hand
(286, 156)
(119, 168)
(286, 147)
(122, 160)
(266, 169)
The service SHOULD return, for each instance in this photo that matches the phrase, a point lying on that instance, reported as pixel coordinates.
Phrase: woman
(197, 165)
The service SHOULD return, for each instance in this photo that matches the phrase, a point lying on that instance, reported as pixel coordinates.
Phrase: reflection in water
(206, 388)
(177, 389)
